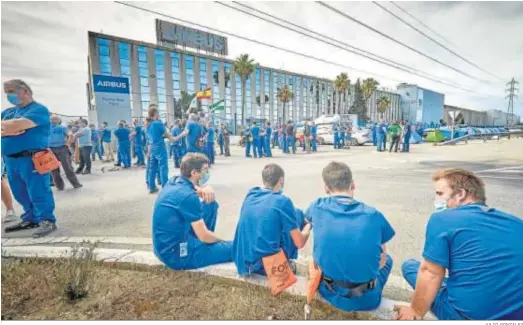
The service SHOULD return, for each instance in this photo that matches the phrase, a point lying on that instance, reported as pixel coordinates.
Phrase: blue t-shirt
(36, 138)
(176, 207)
(85, 139)
(482, 248)
(155, 133)
(210, 135)
(314, 130)
(122, 134)
(176, 131)
(138, 137)
(265, 215)
(195, 131)
(58, 136)
(255, 132)
(268, 132)
(94, 136)
(347, 238)
(106, 135)
(220, 136)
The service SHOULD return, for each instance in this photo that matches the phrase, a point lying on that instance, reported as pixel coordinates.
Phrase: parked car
(360, 136)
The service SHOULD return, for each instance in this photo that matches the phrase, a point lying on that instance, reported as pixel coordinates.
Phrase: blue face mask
(205, 179)
(440, 205)
(13, 99)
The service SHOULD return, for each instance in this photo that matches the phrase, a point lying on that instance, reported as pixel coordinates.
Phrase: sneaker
(10, 216)
(46, 227)
(78, 171)
(117, 165)
(22, 225)
(78, 186)
(85, 172)
(156, 190)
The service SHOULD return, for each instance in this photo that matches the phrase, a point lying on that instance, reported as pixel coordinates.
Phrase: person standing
(26, 128)
(314, 135)
(220, 139)
(267, 142)
(106, 142)
(381, 134)
(248, 141)
(176, 146)
(341, 136)
(193, 134)
(394, 131)
(138, 143)
(335, 134)
(226, 141)
(406, 137)
(256, 145)
(210, 143)
(291, 137)
(96, 143)
(307, 137)
(58, 143)
(122, 134)
(85, 146)
(274, 139)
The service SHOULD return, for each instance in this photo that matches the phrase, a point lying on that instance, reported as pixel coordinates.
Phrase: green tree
(383, 104)
(341, 84)
(368, 87)
(285, 95)
(358, 107)
(244, 67)
(182, 106)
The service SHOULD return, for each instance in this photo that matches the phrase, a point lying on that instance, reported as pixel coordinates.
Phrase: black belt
(356, 289)
(25, 154)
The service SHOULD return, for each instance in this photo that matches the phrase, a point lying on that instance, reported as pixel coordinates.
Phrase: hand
(12, 134)
(206, 193)
(383, 260)
(405, 313)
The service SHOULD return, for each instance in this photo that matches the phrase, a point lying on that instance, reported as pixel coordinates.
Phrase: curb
(227, 270)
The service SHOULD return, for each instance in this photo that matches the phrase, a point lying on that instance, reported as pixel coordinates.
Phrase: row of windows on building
(313, 97)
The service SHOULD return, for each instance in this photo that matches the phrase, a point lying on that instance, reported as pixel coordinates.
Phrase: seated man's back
(349, 244)
(267, 220)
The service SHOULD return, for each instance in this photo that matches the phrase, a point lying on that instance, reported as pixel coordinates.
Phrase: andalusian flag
(218, 106)
(204, 94)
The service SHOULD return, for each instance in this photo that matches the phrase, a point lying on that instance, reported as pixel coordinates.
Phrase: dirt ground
(36, 290)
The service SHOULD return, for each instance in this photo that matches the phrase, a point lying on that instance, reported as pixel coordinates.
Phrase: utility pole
(512, 90)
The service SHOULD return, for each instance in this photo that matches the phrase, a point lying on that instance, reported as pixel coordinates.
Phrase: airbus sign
(110, 84)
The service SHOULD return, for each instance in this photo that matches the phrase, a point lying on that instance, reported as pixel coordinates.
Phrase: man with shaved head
(58, 143)
(26, 128)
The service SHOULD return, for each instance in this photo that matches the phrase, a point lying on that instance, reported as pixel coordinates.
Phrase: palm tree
(383, 103)
(285, 95)
(368, 87)
(244, 67)
(341, 84)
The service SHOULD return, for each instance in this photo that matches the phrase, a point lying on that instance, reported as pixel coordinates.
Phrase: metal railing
(483, 136)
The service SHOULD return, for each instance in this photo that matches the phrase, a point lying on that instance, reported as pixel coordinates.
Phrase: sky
(45, 43)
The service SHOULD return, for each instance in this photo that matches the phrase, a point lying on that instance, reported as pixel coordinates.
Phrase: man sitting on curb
(268, 222)
(183, 225)
(349, 244)
(480, 247)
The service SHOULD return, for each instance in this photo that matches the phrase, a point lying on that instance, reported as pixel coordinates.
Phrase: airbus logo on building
(112, 84)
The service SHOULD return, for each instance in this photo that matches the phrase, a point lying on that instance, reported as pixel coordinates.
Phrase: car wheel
(321, 141)
(354, 142)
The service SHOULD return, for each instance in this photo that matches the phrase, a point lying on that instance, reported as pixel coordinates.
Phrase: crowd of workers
(473, 254)
(397, 132)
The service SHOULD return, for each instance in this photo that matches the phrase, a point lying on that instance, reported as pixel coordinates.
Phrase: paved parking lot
(117, 204)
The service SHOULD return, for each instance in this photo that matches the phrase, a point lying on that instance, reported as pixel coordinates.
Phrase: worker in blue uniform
(381, 133)
(256, 145)
(146, 148)
(248, 141)
(220, 139)
(472, 259)
(355, 271)
(193, 134)
(341, 136)
(26, 128)
(314, 135)
(336, 140)
(122, 134)
(267, 141)
(385, 127)
(138, 135)
(176, 146)
(274, 139)
(106, 143)
(406, 137)
(262, 140)
(184, 219)
(268, 222)
(157, 156)
(374, 134)
(209, 145)
(95, 139)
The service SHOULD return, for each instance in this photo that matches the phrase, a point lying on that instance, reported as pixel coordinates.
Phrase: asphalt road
(398, 184)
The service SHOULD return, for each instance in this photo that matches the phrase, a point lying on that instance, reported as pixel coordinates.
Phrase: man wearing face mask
(349, 243)
(479, 246)
(184, 219)
(25, 132)
(58, 144)
(268, 222)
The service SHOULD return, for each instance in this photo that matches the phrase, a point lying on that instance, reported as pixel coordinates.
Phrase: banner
(112, 98)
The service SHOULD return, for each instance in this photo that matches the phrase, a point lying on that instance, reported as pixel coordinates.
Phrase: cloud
(46, 43)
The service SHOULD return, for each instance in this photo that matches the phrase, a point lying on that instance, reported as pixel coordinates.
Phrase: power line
(396, 41)
(433, 40)
(261, 43)
(322, 37)
(338, 46)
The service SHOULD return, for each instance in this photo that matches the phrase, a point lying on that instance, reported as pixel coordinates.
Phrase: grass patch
(80, 288)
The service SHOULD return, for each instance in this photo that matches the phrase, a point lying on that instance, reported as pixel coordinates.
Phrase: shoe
(156, 190)
(85, 172)
(78, 171)
(117, 165)
(46, 227)
(22, 225)
(78, 186)
(10, 216)
(59, 188)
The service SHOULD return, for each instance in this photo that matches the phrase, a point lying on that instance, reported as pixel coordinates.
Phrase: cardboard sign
(45, 161)
(279, 272)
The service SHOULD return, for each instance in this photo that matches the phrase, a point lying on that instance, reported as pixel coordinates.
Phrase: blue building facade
(421, 105)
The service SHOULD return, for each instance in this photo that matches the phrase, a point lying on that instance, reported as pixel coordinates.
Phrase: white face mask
(440, 205)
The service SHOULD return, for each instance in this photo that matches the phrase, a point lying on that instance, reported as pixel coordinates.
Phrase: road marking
(499, 169)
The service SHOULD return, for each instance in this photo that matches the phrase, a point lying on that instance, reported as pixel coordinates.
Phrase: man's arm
(181, 135)
(204, 234)
(383, 256)
(16, 126)
(300, 238)
(428, 283)
(169, 136)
